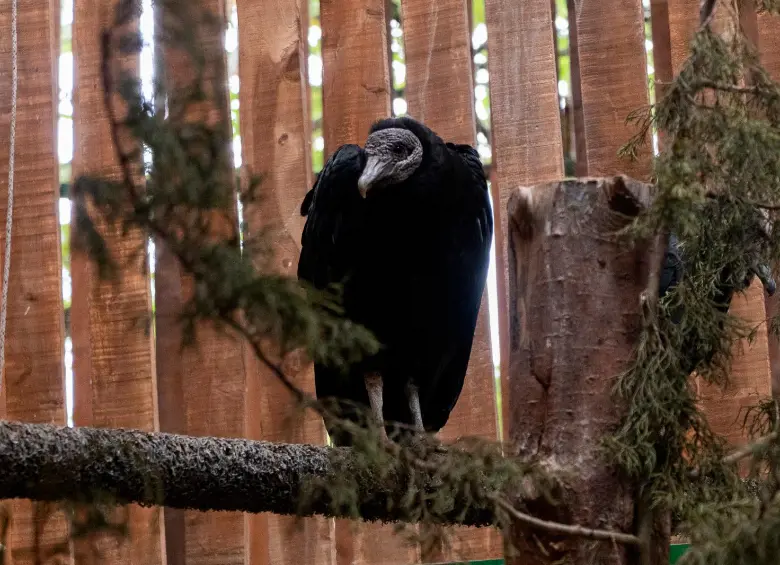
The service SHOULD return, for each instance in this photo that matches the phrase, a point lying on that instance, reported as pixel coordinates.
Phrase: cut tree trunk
(575, 318)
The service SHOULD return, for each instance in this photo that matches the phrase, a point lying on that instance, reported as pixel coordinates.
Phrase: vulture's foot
(413, 396)
(374, 388)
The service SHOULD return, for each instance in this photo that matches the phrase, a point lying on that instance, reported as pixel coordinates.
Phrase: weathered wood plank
(769, 46)
(116, 383)
(275, 140)
(356, 76)
(203, 387)
(437, 44)
(527, 145)
(356, 92)
(613, 78)
(662, 49)
(33, 381)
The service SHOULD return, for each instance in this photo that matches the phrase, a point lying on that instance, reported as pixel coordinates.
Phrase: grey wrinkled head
(393, 155)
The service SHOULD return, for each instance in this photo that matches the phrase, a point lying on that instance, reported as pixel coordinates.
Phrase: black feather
(413, 257)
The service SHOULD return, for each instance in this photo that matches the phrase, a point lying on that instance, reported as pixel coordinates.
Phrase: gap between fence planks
(437, 45)
(33, 384)
(203, 389)
(275, 141)
(527, 146)
(356, 93)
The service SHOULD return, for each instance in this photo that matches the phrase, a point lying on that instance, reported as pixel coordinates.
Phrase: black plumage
(406, 225)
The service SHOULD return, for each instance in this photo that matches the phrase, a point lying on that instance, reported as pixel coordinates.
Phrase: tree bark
(575, 318)
(49, 463)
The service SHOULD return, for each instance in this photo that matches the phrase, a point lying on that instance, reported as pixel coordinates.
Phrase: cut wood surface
(204, 387)
(524, 115)
(561, 380)
(275, 141)
(33, 381)
(356, 93)
(437, 46)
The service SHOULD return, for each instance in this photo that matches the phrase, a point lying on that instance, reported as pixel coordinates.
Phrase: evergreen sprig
(718, 188)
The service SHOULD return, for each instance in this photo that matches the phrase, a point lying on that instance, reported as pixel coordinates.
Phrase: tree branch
(90, 465)
(749, 449)
(567, 529)
(112, 466)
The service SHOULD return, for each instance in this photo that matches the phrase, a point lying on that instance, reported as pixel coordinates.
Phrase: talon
(413, 395)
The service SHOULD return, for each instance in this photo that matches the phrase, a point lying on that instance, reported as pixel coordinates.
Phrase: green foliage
(718, 179)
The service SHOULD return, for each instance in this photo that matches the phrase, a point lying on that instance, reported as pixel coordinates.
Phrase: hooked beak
(765, 275)
(374, 171)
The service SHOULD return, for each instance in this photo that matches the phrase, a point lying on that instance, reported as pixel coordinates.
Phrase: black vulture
(673, 272)
(405, 226)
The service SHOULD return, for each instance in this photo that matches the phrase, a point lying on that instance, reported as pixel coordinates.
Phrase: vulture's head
(393, 153)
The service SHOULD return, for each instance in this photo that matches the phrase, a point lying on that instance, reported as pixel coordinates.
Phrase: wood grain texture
(33, 383)
(275, 140)
(613, 78)
(683, 20)
(116, 383)
(356, 93)
(562, 380)
(356, 76)
(769, 43)
(203, 387)
(527, 145)
(769, 46)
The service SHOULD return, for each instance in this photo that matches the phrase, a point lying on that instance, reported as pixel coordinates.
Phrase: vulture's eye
(397, 149)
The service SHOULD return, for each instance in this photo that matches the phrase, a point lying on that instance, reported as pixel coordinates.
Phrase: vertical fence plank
(275, 140)
(116, 382)
(33, 384)
(769, 43)
(356, 79)
(527, 145)
(613, 78)
(769, 46)
(437, 44)
(356, 92)
(203, 387)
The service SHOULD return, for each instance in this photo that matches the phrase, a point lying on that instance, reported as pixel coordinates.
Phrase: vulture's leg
(374, 388)
(413, 395)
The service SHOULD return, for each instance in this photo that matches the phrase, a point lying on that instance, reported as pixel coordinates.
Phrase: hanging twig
(567, 529)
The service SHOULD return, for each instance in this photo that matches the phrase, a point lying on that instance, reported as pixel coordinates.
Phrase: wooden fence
(127, 375)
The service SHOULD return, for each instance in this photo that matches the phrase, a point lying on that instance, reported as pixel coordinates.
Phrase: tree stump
(575, 318)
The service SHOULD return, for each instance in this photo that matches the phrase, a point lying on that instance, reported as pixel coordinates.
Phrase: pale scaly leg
(413, 396)
(374, 388)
